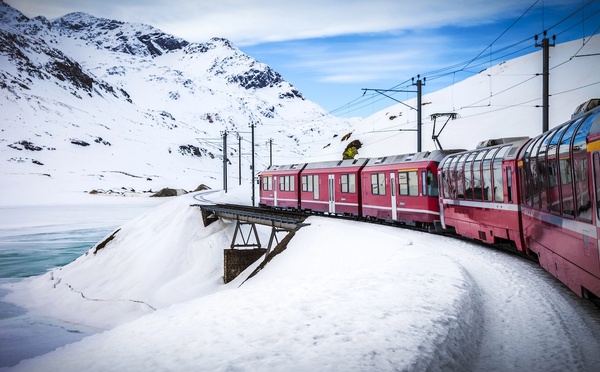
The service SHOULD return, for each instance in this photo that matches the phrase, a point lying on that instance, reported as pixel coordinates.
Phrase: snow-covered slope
(503, 100)
(344, 295)
(101, 104)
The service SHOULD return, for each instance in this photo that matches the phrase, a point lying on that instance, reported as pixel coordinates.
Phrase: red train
(399, 188)
(539, 195)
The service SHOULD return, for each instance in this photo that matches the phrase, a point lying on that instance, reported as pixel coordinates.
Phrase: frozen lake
(34, 239)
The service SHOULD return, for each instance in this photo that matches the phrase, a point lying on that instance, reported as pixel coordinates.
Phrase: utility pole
(224, 133)
(419, 84)
(252, 165)
(239, 159)
(270, 152)
(545, 45)
(419, 108)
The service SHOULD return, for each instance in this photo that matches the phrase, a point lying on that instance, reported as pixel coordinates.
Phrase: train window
(460, 176)
(552, 193)
(310, 183)
(582, 188)
(378, 184)
(542, 166)
(525, 176)
(468, 176)
(445, 177)
(565, 165)
(497, 174)
(487, 174)
(552, 165)
(432, 184)
(477, 189)
(536, 177)
(286, 183)
(268, 183)
(348, 182)
(531, 173)
(452, 177)
(409, 183)
(508, 184)
(305, 183)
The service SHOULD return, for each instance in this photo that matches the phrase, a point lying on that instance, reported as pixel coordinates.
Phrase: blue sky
(331, 49)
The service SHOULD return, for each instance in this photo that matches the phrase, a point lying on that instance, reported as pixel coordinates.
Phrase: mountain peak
(9, 15)
(137, 39)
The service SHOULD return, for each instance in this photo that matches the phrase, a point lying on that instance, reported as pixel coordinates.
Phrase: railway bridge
(245, 247)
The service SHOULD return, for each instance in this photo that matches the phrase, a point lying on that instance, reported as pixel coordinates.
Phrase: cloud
(259, 21)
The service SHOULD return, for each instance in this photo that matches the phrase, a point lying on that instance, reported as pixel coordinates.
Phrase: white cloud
(252, 22)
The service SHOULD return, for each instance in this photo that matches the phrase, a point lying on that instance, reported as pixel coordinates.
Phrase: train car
(403, 188)
(479, 196)
(332, 187)
(560, 181)
(280, 185)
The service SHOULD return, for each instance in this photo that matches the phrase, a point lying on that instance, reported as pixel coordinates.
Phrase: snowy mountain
(101, 104)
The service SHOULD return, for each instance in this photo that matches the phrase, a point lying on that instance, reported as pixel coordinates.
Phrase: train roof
(337, 164)
(435, 155)
(284, 167)
(515, 143)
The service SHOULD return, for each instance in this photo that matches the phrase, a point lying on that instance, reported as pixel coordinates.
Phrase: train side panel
(279, 186)
(479, 197)
(332, 187)
(403, 188)
(560, 182)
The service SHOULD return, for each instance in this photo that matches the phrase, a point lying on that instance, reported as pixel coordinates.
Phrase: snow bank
(164, 256)
(343, 296)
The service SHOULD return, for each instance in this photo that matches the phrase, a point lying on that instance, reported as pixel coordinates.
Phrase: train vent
(499, 141)
(482, 235)
(586, 106)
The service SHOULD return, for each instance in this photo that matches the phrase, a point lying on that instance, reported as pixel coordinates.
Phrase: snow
(343, 296)
(503, 100)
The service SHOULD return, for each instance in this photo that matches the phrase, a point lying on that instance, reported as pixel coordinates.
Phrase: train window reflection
(582, 186)
(566, 169)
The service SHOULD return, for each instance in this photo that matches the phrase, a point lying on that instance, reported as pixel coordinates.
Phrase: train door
(393, 194)
(316, 181)
(331, 183)
(275, 188)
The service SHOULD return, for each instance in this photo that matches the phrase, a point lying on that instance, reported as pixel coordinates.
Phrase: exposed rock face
(169, 192)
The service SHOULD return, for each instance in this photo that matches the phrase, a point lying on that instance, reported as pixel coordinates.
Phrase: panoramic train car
(332, 187)
(560, 179)
(403, 188)
(479, 197)
(279, 185)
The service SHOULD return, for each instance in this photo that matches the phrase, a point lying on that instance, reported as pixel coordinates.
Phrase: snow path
(531, 321)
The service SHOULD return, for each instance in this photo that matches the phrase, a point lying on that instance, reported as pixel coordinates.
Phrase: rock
(165, 192)
(201, 187)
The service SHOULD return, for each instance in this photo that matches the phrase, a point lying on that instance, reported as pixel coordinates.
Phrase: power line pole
(239, 159)
(252, 165)
(419, 108)
(419, 84)
(270, 152)
(224, 133)
(545, 44)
